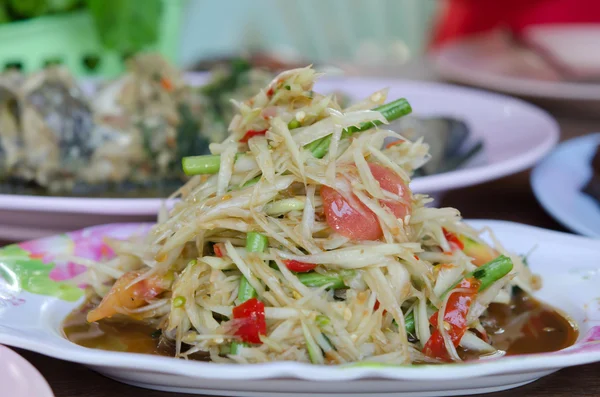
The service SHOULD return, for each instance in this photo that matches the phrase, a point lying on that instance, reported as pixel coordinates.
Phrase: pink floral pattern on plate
(87, 243)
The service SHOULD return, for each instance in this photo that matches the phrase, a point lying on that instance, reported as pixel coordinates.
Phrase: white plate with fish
(33, 320)
(515, 135)
(559, 183)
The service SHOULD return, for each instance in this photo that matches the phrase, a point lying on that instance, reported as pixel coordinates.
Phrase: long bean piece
(488, 273)
(334, 280)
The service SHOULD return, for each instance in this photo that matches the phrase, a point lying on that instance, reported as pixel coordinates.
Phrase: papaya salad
(299, 239)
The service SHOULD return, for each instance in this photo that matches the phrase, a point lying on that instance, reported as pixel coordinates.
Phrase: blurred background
(91, 35)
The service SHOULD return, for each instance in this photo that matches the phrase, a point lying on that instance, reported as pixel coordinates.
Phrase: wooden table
(509, 198)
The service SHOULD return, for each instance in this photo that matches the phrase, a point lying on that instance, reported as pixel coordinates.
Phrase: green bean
(488, 273)
(246, 290)
(314, 279)
(196, 165)
(314, 350)
(256, 242)
(409, 323)
(390, 111)
(210, 164)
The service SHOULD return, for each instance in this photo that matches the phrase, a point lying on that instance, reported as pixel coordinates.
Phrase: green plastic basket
(71, 40)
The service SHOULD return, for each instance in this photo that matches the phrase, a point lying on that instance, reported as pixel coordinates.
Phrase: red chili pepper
(299, 267)
(453, 240)
(376, 306)
(250, 318)
(455, 316)
(218, 250)
(250, 134)
(270, 92)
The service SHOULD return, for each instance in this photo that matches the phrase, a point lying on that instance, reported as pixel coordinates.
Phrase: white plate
(19, 378)
(557, 182)
(491, 62)
(515, 134)
(568, 265)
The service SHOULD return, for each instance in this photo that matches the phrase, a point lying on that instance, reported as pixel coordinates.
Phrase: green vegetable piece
(322, 321)
(335, 280)
(391, 111)
(294, 124)
(246, 290)
(196, 165)
(314, 350)
(126, 26)
(488, 273)
(251, 182)
(179, 301)
(409, 323)
(256, 242)
(235, 347)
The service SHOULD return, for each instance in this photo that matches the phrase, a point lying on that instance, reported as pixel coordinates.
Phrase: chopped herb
(179, 301)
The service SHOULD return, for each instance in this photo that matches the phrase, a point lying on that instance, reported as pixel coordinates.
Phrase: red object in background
(461, 18)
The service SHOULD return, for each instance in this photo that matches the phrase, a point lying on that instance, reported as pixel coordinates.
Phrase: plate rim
(462, 177)
(444, 65)
(557, 213)
(303, 371)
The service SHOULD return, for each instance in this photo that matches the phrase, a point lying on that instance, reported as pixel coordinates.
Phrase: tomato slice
(453, 240)
(252, 133)
(455, 316)
(389, 181)
(250, 319)
(299, 267)
(353, 220)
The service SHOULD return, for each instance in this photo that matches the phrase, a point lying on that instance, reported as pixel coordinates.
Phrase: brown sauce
(122, 335)
(528, 326)
(525, 326)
